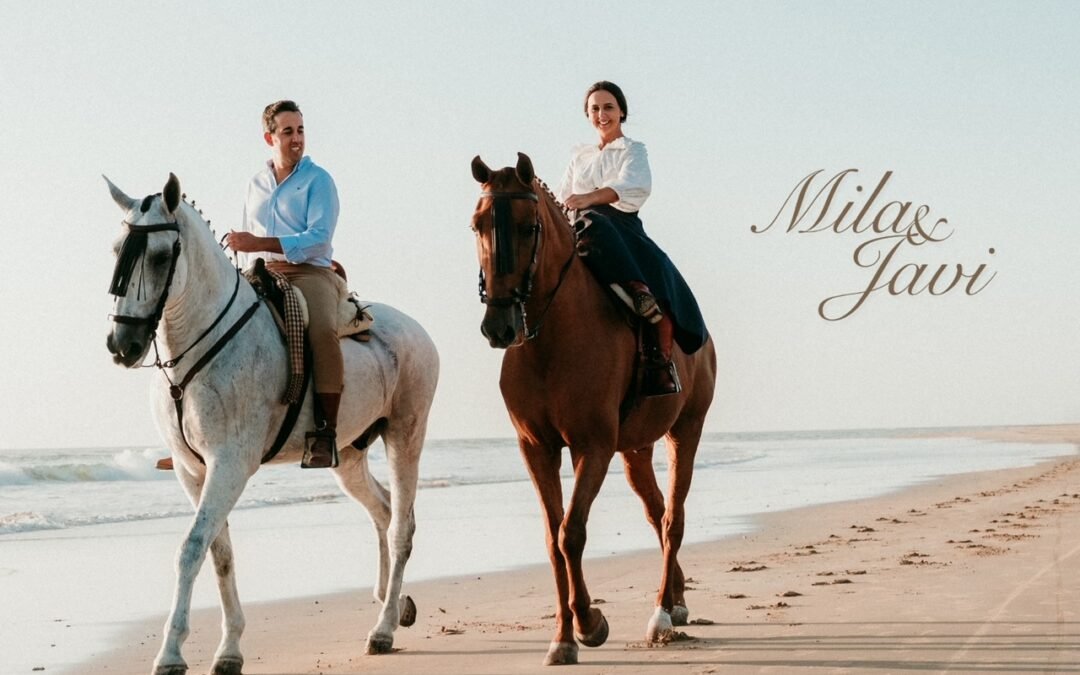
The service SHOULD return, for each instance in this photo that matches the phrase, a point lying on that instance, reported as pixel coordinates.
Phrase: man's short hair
(271, 111)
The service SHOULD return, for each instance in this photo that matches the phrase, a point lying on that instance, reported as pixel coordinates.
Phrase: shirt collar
(304, 161)
(620, 143)
(617, 144)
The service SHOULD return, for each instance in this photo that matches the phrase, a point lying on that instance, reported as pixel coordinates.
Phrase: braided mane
(551, 195)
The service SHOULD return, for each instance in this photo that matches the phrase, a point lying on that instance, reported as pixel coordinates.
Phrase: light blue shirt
(302, 212)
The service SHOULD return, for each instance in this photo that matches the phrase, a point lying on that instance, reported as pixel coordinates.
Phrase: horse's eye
(159, 259)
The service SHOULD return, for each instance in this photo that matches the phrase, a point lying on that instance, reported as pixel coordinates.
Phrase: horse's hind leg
(404, 439)
(642, 478)
(215, 500)
(355, 480)
(682, 447)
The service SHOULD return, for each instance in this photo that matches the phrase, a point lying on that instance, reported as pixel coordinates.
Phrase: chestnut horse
(569, 365)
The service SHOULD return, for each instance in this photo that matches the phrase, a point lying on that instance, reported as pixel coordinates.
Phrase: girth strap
(176, 391)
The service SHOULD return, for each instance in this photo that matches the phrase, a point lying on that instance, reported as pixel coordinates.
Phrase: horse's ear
(122, 200)
(172, 193)
(480, 171)
(524, 169)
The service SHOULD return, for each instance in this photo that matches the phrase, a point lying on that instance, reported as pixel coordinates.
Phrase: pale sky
(971, 106)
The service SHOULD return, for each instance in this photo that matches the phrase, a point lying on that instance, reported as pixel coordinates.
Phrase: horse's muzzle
(128, 345)
(502, 326)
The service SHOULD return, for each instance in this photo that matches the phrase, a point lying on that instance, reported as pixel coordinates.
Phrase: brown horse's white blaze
(570, 368)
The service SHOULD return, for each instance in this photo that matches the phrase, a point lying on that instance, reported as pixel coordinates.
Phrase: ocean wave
(32, 521)
(126, 465)
(27, 521)
(10, 474)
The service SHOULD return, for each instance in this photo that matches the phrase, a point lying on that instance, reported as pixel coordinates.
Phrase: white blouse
(622, 165)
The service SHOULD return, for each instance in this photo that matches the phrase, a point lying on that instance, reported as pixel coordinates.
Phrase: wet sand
(973, 573)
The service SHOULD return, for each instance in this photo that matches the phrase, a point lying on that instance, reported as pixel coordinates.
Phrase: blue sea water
(62, 489)
(88, 536)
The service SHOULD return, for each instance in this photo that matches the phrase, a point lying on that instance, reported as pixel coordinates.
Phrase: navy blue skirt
(617, 250)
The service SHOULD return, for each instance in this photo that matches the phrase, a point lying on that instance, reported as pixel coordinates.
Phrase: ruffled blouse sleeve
(566, 185)
(632, 180)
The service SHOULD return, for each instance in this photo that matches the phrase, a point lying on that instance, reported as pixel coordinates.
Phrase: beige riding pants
(324, 290)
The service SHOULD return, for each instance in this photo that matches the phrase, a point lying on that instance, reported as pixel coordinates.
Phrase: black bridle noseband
(503, 240)
(134, 249)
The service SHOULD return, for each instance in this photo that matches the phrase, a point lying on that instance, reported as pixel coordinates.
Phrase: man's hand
(246, 242)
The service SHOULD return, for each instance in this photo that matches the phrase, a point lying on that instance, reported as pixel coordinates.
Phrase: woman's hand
(578, 202)
(594, 198)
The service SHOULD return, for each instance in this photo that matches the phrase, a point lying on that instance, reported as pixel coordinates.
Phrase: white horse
(232, 412)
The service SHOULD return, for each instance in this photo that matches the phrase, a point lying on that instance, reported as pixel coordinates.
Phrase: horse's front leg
(222, 487)
(543, 465)
(227, 660)
(590, 467)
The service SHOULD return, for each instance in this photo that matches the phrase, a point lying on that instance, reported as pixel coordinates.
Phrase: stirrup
(660, 378)
(320, 451)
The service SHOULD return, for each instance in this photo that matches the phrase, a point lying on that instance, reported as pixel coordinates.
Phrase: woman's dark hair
(611, 88)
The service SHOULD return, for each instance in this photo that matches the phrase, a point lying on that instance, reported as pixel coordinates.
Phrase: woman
(607, 184)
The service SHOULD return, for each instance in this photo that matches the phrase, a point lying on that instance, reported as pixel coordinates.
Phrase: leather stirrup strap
(294, 409)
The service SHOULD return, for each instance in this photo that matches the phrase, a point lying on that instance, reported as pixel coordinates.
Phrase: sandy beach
(972, 573)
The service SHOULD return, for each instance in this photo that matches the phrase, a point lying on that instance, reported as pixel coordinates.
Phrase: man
(290, 214)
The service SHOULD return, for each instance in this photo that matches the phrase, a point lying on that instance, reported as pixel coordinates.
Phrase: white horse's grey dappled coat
(232, 413)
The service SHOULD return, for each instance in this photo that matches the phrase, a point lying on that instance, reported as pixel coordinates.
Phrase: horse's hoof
(599, 635)
(227, 666)
(561, 654)
(171, 670)
(379, 644)
(408, 611)
(680, 615)
(659, 627)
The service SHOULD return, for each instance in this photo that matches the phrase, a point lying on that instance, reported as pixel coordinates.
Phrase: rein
(133, 249)
(504, 260)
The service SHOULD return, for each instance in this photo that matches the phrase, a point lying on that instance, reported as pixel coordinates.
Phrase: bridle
(134, 249)
(502, 239)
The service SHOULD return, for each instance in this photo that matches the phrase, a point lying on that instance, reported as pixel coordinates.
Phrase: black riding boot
(321, 451)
